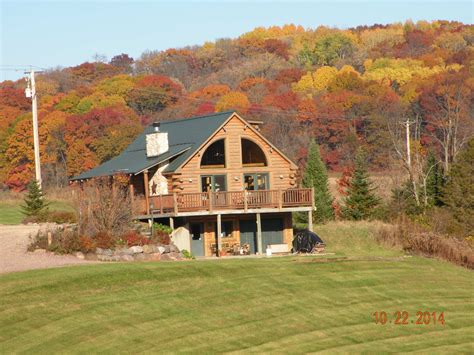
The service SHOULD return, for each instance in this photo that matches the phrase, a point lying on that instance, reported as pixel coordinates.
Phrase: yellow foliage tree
(234, 100)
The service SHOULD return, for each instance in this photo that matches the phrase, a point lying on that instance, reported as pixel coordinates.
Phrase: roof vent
(156, 126)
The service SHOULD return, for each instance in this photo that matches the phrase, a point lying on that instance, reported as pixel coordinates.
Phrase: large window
(256, 182)
(252, 154)
(214, 183)
(214, 156)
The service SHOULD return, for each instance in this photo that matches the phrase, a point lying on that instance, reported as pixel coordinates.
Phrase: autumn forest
(343, 88)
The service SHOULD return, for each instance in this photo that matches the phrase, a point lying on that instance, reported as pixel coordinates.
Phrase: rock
(99, 251)
(167, 249)
(155, 256)
(173, 248)
(175, 256)
(40, 251)
(161, 250)
(126, 257)
(79, 255)
(140, 257)
(123, 251)
(148, 249)
(91, 256)
(166, 257)
(136, 249)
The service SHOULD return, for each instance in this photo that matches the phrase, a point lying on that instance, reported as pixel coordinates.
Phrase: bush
(104, 240)
(87, 244)
(132, 238)
(422, 240)
(187, 254)
(161, 233)
(63, 241)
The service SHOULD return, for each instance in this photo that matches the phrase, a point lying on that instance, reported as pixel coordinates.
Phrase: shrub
(87, 244)
(421, 240)
(132, 238)
(61, 217)
(104, 240)
(63, 241)
(187, 254)
(161, 233)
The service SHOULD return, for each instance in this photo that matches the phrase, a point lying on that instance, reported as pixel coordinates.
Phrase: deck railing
(229, 200)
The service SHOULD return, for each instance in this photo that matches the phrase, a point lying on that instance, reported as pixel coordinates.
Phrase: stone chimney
(156, 142)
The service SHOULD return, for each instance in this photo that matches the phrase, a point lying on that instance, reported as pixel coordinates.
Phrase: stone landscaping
(150, 252)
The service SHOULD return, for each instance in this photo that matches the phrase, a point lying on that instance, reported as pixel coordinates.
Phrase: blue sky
(64, 33)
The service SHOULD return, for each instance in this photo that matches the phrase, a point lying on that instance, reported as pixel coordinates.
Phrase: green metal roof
(185, 136)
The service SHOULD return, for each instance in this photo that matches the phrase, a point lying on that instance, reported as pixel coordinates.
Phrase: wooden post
(210, 200)
(175, 203)
(219, 232)
(161, 203)
(245, 201)
(147, 192)
(310, 220)
(312, 198)
(132, 193)
(172, 223)
(259, 235)
(280, 199)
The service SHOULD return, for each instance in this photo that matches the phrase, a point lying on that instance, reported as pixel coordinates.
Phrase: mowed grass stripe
(280, 304)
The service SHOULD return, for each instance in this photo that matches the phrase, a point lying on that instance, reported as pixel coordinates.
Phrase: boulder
(173, 248)
(166, 249)
(99, 251)
(123, 251)
(91, 256)
(79, 255)
(175, 256)
(166, 257)
(136, 249)
(155, 256)
(148, 249)
(141, 257)
(126, 257)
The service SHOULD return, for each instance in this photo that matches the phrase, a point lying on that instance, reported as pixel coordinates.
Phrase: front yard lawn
(290, 304)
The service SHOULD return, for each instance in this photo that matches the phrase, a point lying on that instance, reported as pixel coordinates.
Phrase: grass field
(289, 304)
(10, 210)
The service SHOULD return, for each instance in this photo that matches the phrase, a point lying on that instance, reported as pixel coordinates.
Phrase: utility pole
(407, 124)
(31, 92)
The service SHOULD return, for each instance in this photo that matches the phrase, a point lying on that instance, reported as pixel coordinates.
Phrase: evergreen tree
(434, 180)
(458, 194)
(315, 176)
(361, 201)
(34, 203)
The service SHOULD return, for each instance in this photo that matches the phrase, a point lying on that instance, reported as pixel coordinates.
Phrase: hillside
(345, 88)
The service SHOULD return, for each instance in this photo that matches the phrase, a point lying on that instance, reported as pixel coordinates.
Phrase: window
(252, 154)
(214, 183)
(214, 156)
(227, 227)
(256, 182)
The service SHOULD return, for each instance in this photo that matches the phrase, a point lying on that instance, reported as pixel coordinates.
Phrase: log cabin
(216, 180)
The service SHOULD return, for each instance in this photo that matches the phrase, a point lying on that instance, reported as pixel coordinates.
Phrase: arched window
(252, 154)
(214, 156)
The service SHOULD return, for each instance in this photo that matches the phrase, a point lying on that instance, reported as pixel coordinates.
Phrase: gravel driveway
(14, 257)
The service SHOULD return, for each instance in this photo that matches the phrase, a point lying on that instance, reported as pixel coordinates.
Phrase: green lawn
(10, 211)
(290, 304)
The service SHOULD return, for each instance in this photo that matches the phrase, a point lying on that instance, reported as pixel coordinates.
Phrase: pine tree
(34, 202)
(434, 180)
(361, 201)
(315, 176)
(458, 194)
